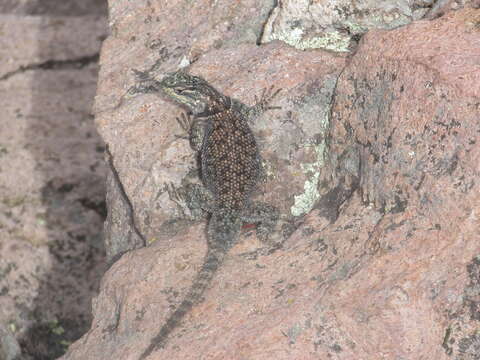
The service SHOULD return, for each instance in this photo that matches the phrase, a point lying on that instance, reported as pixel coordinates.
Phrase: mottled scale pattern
(230, 169)
(230, 160)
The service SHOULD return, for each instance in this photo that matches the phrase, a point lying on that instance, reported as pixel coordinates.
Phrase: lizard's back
(230, 160)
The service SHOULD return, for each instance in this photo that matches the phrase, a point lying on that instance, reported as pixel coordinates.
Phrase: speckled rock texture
(338, 24)
(372, 160)
(9, 347)
(141, 130)
(52, 175)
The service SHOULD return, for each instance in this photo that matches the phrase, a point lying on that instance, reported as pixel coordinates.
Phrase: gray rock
(9, 348)
(52, 195)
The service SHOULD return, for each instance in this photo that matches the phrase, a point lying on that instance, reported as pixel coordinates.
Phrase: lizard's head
(194, 93)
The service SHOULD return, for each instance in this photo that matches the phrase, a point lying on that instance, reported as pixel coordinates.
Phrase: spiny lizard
(230, 169)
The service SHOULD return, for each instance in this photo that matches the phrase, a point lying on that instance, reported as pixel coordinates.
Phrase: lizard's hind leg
(192, 199)
(265, 216)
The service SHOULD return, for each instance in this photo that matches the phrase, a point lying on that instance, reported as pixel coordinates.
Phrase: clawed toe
(174, 193)
(268, 94)
(185, 121)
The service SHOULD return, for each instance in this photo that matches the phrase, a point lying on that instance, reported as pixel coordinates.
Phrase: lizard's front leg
(194, 130)
(261, 105)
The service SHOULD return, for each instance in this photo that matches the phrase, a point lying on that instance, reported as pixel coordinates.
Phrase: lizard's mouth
(170, 92)
(195, 106)
(177, 95)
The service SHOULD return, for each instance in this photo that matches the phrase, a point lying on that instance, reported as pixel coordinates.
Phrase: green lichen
(41, 219)
(13, 327)
(355, 28)
(332, 40)
(316, 107)
(293, 333)
(304, 202)
(293, 37)
(13, 201)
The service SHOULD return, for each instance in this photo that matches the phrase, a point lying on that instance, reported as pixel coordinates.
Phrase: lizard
(230, 166)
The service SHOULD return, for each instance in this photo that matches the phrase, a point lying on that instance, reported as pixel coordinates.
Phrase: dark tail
(222, 230)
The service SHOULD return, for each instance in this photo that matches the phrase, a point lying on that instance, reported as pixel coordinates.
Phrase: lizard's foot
(145, 83)
(262, 104)
(185, 121)
(268, 94)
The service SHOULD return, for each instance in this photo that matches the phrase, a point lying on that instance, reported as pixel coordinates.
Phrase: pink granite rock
(376, 178)
(141, 130)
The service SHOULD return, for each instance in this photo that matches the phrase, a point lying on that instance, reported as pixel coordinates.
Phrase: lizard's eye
(183, 91)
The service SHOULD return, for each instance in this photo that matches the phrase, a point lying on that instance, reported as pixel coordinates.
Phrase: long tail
(222, 231)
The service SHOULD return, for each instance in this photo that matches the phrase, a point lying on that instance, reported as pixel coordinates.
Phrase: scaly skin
(230, 167)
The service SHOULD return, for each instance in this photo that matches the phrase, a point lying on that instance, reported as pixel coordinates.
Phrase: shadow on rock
(69, 162)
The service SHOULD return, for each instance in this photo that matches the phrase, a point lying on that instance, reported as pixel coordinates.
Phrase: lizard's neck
(215, 107)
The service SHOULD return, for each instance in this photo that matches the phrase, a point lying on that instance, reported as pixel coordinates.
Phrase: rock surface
(146, 166)
(54, 7)
(9, 347)
(51, 175)
(338, 24)
(372, 160)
